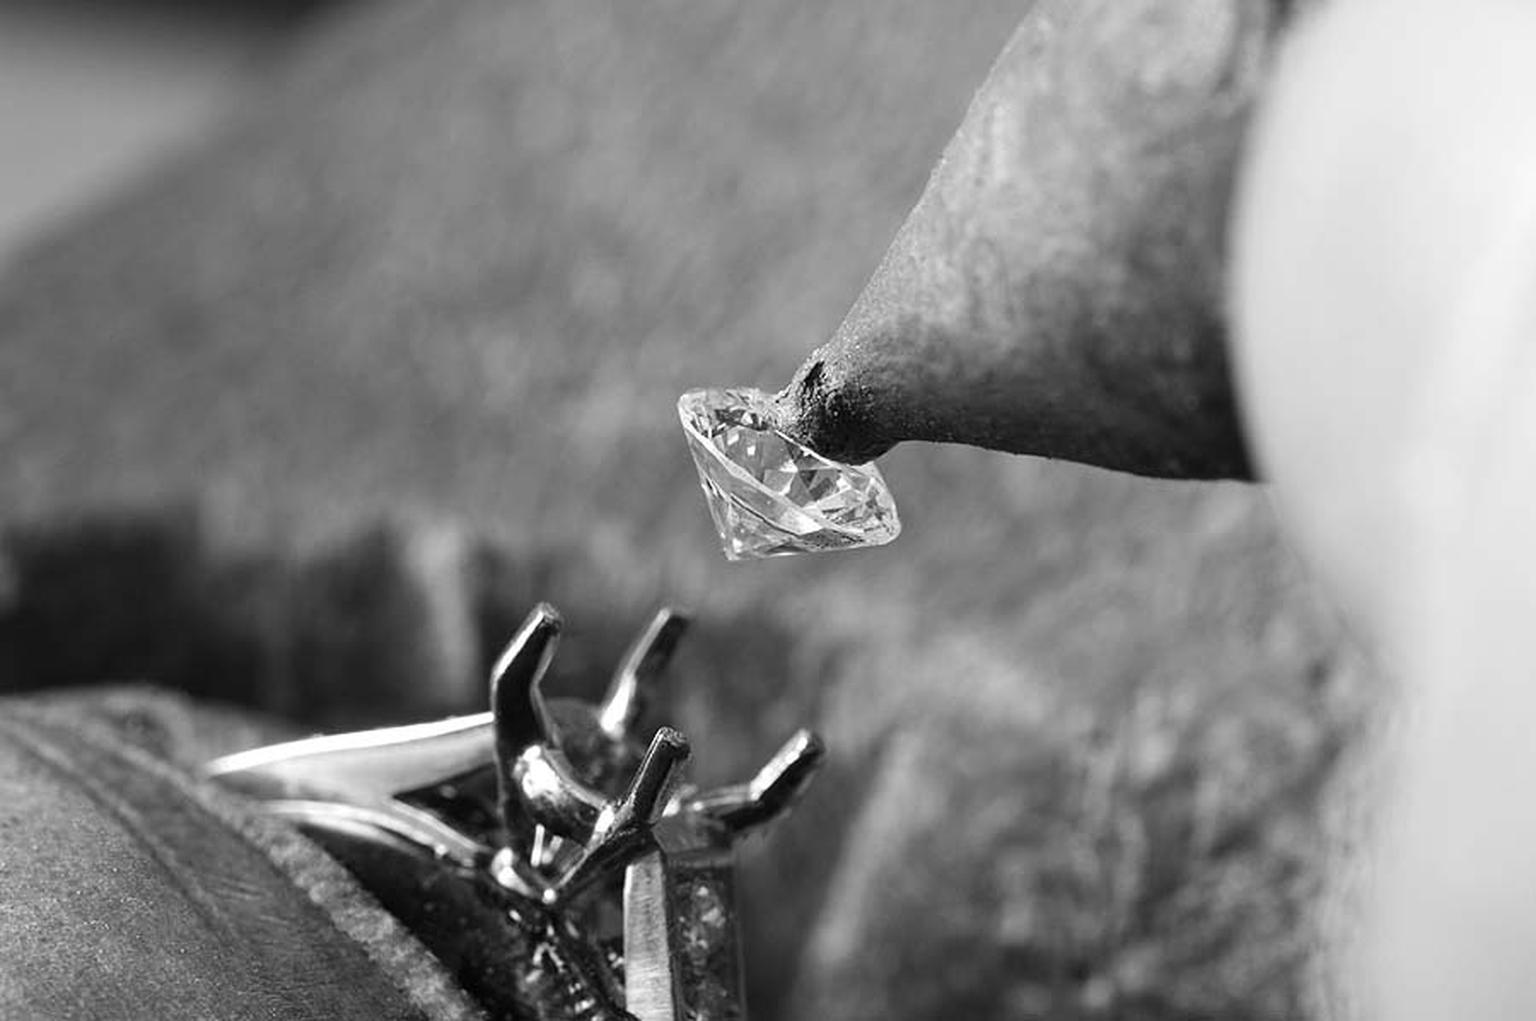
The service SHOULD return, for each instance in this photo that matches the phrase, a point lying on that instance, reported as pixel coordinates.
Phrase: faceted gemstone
(772, 496)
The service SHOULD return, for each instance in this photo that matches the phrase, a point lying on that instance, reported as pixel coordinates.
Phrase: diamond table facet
(771, 495)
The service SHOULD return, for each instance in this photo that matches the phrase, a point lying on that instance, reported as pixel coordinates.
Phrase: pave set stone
(769, 494)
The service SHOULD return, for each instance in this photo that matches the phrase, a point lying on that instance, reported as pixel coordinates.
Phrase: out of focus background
(94, 92)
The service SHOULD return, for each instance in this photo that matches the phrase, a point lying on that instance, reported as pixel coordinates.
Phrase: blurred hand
(1385, 298)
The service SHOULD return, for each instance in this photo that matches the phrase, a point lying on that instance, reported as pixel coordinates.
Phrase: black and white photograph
(697, 510)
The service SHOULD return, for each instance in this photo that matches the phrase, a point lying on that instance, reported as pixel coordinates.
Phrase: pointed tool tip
(841, 419)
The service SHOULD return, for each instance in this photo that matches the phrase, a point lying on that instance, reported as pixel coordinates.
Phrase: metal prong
(648, 790)
(516, 701)
(550, 796)
(641, 666)
(772, 791)
(369, 765)
(624, 825)
(517, 704)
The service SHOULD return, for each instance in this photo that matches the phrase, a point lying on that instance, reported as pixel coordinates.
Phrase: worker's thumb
(1384, 291)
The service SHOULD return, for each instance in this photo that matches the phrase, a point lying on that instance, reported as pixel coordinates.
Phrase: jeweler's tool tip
(851, 424)
(1058, 288)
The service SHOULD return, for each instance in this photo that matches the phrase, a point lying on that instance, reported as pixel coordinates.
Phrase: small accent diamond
(771, 495)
